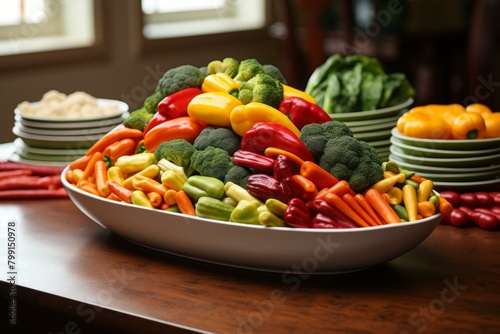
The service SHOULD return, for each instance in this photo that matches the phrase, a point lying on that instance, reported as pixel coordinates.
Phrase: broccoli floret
(178, 78)
(248, 69)
(261, 88)
(138, 119)
(212, 161)
(151, 102)
(238, 175)
(352, 160)
(227, 65)
(177, 151)
(315, 136)
(223, 138)
(275, 72)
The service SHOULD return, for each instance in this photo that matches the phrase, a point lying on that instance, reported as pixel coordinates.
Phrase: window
(41, 25)
(174, 18)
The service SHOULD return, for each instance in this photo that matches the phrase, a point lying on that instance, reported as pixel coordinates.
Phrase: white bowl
(250, 246)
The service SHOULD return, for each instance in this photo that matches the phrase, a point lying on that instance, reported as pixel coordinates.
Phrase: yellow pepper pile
(452, 121)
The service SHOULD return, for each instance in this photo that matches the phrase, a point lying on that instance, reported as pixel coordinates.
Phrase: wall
(124, 69)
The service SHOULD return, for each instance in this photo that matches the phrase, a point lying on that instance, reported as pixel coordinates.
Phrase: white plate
(448, 144)
(121, 107)
(373, 136)
(250, 246)
(63, 142)
(446, 170)
(22, 147)
(72, 125)
(446, 162)
(436, 153)
(63, 132)
(490, 185)
(462, 177)
(371, 114)
(16, 158)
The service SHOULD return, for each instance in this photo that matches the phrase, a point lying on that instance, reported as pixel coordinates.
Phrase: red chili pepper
(321, 220)
(175, 105)
(256, 162)
(297, 214)
(269, 134)
(157, 119)
(303, 112)
(265, 186)
(321, 206)
(283, 172)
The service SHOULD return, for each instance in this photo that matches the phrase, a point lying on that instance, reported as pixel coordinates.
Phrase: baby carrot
(444, 206)
(100, 175)
(120, 191)
(118, 133)
(367, 207)
(338, 203)
(184, 203)
(349, 199)
(155, 199)
(320, 177)
(426, 209)
(79, 163)
(340, 188)
(169, 197)
(380, 205)
(273, 152)
(309, 189)
(89, 169)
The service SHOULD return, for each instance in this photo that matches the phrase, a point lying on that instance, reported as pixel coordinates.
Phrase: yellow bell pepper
(289, 91)
(468, 125)
(213, 108)
(422, 124)
(480, 108)
(492, 122)
(243, 117)
(129, 164)
(219, 82)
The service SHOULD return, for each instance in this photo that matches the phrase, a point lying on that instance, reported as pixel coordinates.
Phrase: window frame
(97, 50)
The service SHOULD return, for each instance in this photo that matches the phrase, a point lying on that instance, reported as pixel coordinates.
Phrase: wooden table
(73, 276)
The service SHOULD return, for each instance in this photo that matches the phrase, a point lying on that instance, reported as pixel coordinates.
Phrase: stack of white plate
(374, 126)
(61, 139)
(451, 164)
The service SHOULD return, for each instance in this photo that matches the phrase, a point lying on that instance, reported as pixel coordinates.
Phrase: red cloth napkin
(27, 181)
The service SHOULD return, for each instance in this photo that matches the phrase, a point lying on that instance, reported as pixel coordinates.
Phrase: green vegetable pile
(356, 83)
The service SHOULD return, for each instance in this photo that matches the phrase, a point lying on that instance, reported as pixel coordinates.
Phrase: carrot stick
(341, 205)
(148, 185)
(79, 163)
(113, 197)
(417, 178)
(444, 206)
(349, 199)
(366, 206)
(89, 169)
(155, 199)
(118, 133)
(273, 152)
(320, 177)
(184, 203)
(100, 173)
(340, 188)
(120, 191)
(381, 206)
(89, 187)
(169, 197)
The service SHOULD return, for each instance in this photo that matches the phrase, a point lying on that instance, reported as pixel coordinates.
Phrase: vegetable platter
(228, 164)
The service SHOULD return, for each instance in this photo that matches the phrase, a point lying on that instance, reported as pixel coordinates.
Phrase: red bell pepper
(175, 105)
(297, 214)
(269, 134)
(303, 112)
(255, 162)
(157, 119)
